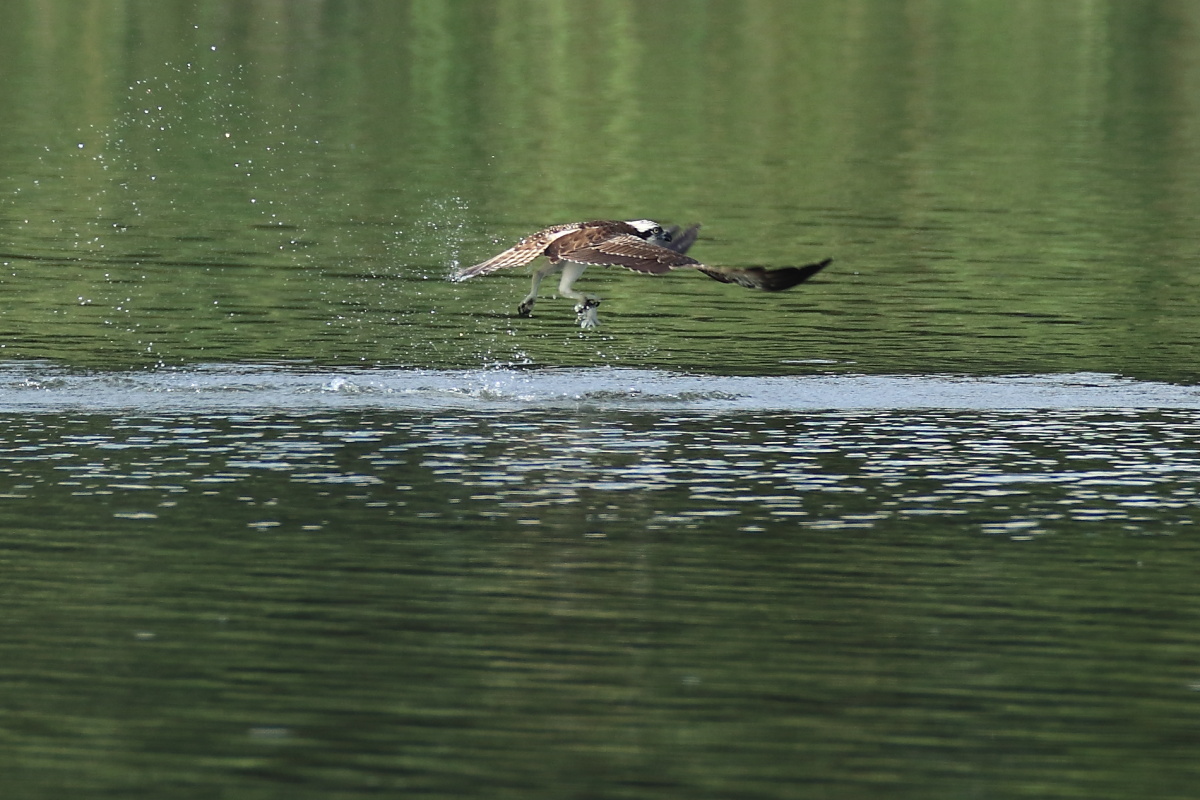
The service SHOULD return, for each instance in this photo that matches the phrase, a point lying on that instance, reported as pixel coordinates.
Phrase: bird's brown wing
(631, 252)
(771, 280)
(639, 255)
(519, 254)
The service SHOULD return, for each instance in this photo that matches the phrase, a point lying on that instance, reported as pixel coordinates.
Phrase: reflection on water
(693, 603)
(997, 471)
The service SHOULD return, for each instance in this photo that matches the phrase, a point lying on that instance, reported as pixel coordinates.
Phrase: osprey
(641, 245)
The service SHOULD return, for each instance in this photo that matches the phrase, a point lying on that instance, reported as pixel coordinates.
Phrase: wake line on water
(42, 388)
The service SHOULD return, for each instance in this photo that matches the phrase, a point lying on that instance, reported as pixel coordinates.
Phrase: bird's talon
(585, 312)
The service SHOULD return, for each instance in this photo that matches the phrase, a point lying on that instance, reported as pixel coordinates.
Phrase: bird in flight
(641, 245)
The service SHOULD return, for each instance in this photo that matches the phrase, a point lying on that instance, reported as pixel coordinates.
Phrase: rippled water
(45, 388)
(1096, 449)
(654, 591)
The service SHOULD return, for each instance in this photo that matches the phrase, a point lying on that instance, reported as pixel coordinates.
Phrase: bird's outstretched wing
(631, 252)
(643, 256)
(519, 254)
(771, 280)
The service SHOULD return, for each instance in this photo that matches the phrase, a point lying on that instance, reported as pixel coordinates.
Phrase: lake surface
(284, 512)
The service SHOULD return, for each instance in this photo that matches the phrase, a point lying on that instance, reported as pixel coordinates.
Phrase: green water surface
(588, 601)
(1004, 187)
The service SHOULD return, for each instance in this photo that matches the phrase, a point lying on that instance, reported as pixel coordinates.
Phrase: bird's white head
(649, 229)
